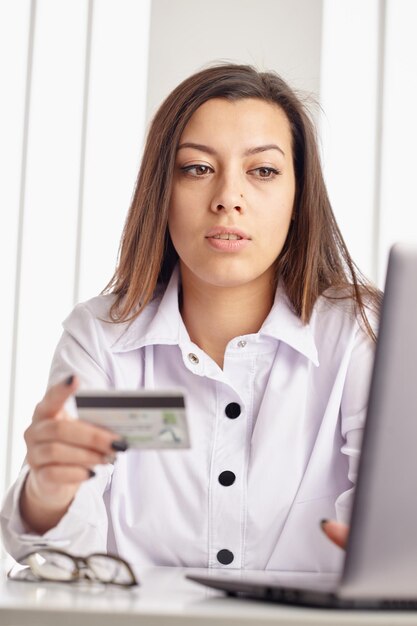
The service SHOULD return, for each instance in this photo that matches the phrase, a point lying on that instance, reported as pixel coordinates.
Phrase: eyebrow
(202, 148)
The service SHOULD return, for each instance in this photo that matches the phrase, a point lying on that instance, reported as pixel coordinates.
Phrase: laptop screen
(382, 548)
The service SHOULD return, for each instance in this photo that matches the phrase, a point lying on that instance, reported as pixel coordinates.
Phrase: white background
(80, 79)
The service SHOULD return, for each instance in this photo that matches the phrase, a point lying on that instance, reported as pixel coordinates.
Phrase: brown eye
(265, 172)
(196, 170)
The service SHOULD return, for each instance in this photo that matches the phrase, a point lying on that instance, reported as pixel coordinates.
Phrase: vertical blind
(72, 126)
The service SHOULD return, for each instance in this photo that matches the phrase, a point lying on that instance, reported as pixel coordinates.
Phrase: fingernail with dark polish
(69, 380)
(91, 473)
(120, 445)
(323, 522)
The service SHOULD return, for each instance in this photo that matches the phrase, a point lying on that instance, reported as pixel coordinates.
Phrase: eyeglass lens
(109, 569)
(62, 567)
(52, 565)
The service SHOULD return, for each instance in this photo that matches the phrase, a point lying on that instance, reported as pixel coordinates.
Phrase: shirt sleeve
(84, 528)
(353, 413)
(82, 351)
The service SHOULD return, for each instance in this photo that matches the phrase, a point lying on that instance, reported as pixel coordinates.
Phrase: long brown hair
(314, 256)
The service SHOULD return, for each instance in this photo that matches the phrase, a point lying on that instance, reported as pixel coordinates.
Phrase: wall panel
(115, 130)
(398, 220)
(50, 201)
(15, 39)
(349, 96)
(71, 163)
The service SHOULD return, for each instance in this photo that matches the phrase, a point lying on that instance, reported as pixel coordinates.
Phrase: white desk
(165, 598)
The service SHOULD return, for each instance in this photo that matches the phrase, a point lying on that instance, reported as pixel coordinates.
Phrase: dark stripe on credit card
(130, 402)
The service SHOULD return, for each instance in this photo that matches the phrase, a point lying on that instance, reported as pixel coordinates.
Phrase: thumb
(55, 398)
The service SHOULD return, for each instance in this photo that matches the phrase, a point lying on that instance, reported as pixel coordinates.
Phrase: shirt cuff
(83, 527)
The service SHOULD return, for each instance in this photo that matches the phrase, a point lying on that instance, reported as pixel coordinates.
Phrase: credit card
(147, 419)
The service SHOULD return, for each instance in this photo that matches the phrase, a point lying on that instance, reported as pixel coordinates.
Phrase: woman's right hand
(61, 453)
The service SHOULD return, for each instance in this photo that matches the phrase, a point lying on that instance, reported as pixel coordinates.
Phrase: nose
(228, 196)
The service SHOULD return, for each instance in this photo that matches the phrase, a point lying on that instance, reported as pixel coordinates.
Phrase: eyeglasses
(59, 566)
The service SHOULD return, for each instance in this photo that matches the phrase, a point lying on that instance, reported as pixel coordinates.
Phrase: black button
(227, 478)
(233, 410)
(225, 557)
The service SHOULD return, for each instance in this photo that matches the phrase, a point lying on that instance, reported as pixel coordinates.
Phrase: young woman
(234, 283)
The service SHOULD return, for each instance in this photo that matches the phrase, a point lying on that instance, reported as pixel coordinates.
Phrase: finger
(63, 474)
(56, 453)
(336, 532)
(55, 398)
(71, 432)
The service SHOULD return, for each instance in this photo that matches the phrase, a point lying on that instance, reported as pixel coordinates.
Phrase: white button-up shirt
(302, 392)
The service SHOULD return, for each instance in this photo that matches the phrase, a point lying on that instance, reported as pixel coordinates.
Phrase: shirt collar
(285, 325)
(161, 323)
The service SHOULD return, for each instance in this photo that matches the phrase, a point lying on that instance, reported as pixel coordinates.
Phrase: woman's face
(233, 192)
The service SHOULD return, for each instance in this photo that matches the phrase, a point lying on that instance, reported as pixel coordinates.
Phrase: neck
(214, 315)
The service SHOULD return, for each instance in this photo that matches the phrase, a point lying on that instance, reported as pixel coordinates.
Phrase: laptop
(380, 567)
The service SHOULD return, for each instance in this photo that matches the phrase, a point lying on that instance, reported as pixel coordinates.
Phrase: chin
(224, 273)
(227, 278)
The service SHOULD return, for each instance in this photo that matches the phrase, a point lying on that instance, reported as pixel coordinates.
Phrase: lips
(226, 234)
(227, 240)
(231, 236)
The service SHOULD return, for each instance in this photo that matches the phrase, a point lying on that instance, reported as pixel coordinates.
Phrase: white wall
(79, 78)
(284, 35)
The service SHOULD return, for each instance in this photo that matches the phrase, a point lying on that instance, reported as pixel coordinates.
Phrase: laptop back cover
(381, 558)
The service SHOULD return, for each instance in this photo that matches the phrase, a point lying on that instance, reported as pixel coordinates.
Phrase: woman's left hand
(336, 532)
